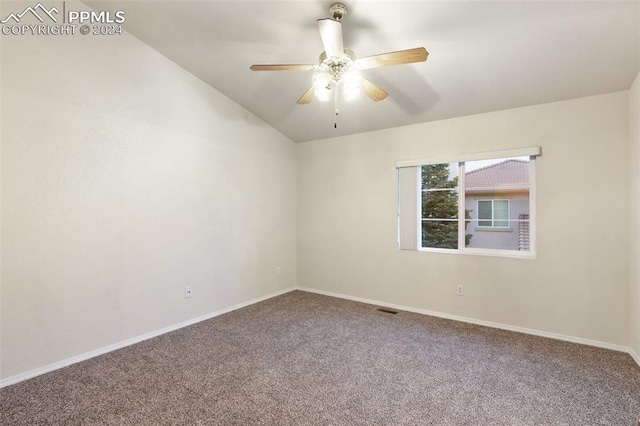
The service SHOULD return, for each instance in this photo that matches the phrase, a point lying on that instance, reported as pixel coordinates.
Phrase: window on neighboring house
(484, 205)
(493, 213)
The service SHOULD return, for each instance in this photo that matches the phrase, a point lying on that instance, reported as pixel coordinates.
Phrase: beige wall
(634, 115)
(125, 178)
(579, 284)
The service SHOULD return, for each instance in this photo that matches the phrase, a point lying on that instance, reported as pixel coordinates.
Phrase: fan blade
(331, 34)
(307, 97)
(284, 67)
(372, 91)
(419, 54)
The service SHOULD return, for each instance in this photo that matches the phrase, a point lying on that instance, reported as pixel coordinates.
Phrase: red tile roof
(507, 176)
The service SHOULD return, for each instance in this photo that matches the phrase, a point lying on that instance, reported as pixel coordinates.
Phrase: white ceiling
(483, 56)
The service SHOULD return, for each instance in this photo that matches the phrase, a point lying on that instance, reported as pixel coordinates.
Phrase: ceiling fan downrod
(337, 11)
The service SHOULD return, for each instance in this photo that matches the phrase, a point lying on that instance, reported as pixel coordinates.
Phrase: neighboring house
(497, 198)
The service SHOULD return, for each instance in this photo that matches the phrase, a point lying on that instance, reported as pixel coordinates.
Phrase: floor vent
(387, 311)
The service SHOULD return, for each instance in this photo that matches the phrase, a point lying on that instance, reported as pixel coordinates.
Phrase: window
(493, 213)
(484, 205)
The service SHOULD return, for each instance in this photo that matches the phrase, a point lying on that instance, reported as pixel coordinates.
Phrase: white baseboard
(635, 356)
(501, 326)
(97, 352)
(101, 351)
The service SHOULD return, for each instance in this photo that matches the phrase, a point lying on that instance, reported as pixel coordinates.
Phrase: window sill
(483, 252)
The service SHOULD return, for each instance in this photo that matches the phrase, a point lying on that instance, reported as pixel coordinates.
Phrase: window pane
(494, 238)
(439, 176)
(501, 213)
(497, 195)
(440, 234)
(440, 204)
(484, 210)
(501, 208)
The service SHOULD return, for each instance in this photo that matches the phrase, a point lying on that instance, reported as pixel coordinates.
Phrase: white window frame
(412, 212)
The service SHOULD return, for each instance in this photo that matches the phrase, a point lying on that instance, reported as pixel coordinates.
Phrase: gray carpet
(305, 359)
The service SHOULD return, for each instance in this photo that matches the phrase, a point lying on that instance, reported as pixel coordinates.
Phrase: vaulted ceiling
(483, 55)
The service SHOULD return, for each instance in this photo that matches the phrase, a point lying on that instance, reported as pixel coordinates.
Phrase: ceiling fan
(339, 67)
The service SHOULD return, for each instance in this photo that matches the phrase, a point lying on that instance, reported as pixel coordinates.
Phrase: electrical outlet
(278, 270)
(460, 290)
(188, 292)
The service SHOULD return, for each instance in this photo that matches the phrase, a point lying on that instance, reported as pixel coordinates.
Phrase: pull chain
(335, 123)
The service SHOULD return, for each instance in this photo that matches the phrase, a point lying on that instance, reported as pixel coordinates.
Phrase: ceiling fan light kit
(339, 68)
(336, 70)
